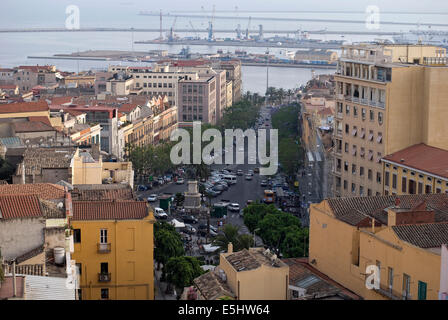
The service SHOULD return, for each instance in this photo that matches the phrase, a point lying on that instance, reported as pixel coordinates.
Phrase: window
(378, 177)
(347, 128)
(394, 181)
(354, 131)
(369, 174)
(103, 236)
(428, 189)
(355, 111)
(403, 184)
(363, 114)
(386, 178)
(346, 147)
(370, 155)
(422, 290)
(362, 152)
(406, 286)
(354, 149)
(104, 267)
(354, 168)
(363, 133)
(380, 117)
(77, 235)
(369, 192)
(345, 166)
(420, 188)
(353, 187)
(379, 139)
(105, 293)
(345, 184)
(390, 278)
(370, 135)
(372, 115)
(361, 171)
(347, 110)
(361, 191)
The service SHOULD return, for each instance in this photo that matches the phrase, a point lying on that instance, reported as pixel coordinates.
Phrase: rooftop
(428, 235)
(32, 126)
(109, 210)
(102, 192)
(23, 107)
(36, 159)
(212, 287)
(252, 259)
(354, 210)
(422, 157)
(20, 206)
(46, 191)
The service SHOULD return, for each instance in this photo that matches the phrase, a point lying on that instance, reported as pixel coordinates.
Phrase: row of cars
(218, 182)
(161, 181)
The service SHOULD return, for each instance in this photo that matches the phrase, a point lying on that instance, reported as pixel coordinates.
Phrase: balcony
(104, 247)
(104, 277)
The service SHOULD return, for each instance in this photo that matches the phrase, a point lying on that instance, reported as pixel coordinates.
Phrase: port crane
(194, 30)
(171, 34)
(247, 29)
(211, 37)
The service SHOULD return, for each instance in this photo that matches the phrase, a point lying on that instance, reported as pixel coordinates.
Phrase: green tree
(168, 243)
(179, 199)
(181, 271)
(230, 234)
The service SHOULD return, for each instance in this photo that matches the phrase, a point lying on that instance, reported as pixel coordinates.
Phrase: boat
(431, 37)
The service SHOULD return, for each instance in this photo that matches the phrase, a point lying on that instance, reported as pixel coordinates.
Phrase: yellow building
(401, 236)
(114, 247)
(254, 274)
(416, 170)
(388, 97)
(86, 170)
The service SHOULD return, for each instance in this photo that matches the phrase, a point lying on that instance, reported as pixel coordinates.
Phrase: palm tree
(230, 234)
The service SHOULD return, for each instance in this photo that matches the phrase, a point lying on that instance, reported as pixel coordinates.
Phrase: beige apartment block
(388, 97)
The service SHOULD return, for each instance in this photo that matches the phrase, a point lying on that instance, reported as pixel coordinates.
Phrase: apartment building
(27, 77)
(197, 100)
(159, 80)
(403, 236)
(388, 97)
(233, 73)
(418, 169)
(113, 249)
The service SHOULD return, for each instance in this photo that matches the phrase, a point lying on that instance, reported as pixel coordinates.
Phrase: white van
(230, 179)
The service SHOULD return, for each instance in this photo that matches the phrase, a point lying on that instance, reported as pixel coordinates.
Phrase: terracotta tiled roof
(212, 287)
(355, 209)
(243, 260)
(8, 86)
(20, 206)
(45, 120)
(33, 126)
(317, 284)
(60, 100)
(47, 191)
(422, 157)
(128, 107)
(109, 210)
(427, 235)
(102, 194)
(24, 107)
(37, 158)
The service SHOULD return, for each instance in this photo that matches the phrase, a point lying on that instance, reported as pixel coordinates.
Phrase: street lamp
(255, 242)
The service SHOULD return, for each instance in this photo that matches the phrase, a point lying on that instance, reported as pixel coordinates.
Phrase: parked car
(189, 229)
(204, 227)
(218, 188)
(142, 188)
(160, 181)
(239, 172)
(160, 213)
(263, 183)
(152, 198)
(189, 219)
(234, 207)
(224, 185)
(180, 181)
(251, 172)
(211, 192)
(248, 177)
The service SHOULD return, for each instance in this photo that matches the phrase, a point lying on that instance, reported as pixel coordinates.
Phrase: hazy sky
(19, 7)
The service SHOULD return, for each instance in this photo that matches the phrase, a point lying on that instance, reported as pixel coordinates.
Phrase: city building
(402, 236)
(113, 242)
(388, 98)
(233, 74)
(417, 169)
(197, 100)
(316, 55)
(254, 274)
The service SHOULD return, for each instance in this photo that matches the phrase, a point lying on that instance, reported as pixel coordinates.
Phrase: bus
(269, 196)
(230, 179)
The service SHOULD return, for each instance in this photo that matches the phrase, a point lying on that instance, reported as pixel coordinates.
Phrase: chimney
(23, 173)
(230, 248)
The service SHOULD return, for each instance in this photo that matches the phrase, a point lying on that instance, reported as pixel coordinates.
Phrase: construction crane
(161, 35)
(247, 30)
(171, 34)
(211, 36)
(194, 30)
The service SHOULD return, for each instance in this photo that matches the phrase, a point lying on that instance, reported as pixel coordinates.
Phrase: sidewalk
(160, 286)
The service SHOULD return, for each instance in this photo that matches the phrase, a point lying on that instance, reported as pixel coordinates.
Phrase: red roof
(33, 126)
(19, 206)
(46, 191)
(8, 86)
(24, 107)
(422, 157)
(60, 100)
(41, 119)
(109, 210)
(128, 107)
